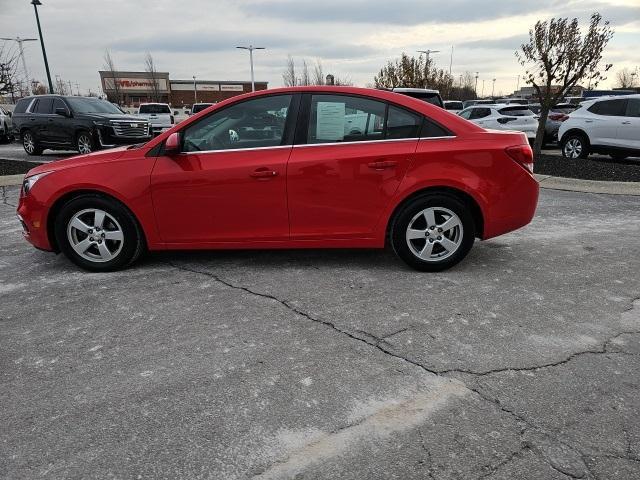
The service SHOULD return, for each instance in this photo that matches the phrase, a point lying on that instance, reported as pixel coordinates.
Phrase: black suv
(80, 123)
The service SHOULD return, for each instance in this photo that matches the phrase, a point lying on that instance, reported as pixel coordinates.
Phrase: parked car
(158, 115)
(454, 106)
(198, 107)
(425, 94)
(275, 169)
(512, 101)
(469, 103)
(608, 125)
(557, 115)
(6, 130)
(503, 117)
(80, 123)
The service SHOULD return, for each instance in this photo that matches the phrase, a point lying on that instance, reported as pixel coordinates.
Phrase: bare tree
(109, 66)
(558, 56)
(304, 79)
(317, 76)
(8, 70)
(625, 78)
(152, 73)
(289, 76)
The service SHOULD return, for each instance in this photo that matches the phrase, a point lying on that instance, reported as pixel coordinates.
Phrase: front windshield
(92, 105)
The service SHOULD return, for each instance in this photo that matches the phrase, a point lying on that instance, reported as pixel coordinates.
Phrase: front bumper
(33, 216)
(106, 138)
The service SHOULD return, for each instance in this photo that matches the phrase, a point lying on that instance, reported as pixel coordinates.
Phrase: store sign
(135, 84)
(231, 88)
(205, 87)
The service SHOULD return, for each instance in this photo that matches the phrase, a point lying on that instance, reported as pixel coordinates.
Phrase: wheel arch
(466, 198)
(66, 197)
(575, 131)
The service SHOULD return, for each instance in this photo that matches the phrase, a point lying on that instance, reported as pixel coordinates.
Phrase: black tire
(30, 144)
(573, 142)
(133, 240)
(84, 142)
(407, 216)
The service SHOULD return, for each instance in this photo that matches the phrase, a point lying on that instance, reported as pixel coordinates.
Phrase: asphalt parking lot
(521, 363)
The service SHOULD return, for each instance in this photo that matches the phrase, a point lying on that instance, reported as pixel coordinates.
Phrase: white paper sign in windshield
(330, 121)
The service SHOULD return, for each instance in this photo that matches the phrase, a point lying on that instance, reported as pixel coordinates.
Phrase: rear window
(516, 112)
(196, 108)
(429, 97)
(154, 109)
(22, 105)
(453, 105)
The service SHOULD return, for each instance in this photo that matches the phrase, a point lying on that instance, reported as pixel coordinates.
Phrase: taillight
(558, 117)
(523, 155)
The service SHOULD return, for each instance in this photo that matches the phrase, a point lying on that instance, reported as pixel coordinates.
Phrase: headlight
(29, 182)
(101, 124)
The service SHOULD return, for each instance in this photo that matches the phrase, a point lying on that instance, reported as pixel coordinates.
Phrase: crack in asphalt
(5, 198)
(382, 345)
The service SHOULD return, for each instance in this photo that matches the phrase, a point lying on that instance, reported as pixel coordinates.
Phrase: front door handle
(626, 123)
(382, 164)
(263, 173)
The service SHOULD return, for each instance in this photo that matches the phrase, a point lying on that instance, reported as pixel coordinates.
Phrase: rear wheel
(574, 146)
(30, 144)
(433, 232)
(98, 233)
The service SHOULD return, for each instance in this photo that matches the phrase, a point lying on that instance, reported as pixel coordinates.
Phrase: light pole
(251, 48)
(427, 53)
(482, 95)
(493, 88)
(476, 87)
(517, 83)
(35, 4)
(19, 41)
(195, 91)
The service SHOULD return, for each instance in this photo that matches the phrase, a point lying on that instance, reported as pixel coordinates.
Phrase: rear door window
(615, 108)
(516, 112)
(44, 106)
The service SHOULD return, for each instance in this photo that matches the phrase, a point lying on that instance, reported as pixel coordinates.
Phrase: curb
(588, 186)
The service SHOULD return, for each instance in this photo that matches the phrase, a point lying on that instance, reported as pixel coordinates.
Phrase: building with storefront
(134, 88)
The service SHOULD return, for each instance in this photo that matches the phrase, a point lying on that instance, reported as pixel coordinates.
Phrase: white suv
(158, 115)
(503, 117)
(609, 125)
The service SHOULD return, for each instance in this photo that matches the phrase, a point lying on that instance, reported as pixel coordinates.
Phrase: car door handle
(382, 164)
(588, 121)
(626, 123)
(263, 173)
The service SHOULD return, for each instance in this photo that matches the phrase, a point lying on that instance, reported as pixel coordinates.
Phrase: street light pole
(35, 4)
(427, 53)
(251, 48)
(476, 87)
(195, 91)
(493, 88)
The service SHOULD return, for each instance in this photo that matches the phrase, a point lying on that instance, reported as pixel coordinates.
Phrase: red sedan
(304, 167)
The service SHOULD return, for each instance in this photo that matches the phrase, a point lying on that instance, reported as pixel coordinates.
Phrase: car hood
(110, 116)
(100, 156)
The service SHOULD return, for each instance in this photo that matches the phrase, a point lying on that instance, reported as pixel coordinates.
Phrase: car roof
(153, 103)
(414, 90)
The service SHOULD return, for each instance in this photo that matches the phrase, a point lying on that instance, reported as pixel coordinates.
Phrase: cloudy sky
(352, 38)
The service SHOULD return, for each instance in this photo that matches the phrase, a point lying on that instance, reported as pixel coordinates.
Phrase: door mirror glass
(172, 144)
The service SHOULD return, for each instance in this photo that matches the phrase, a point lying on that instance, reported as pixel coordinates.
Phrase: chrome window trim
(356, 142)
(443, 137)
(199, 152)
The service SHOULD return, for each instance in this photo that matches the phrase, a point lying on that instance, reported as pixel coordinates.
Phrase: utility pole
(493, 88)
(19, 41)
(78, 88)
(251, 48)
(451, 60)
(195, 94)
(518, 84)
(476, 87)
(35, 4)
(427, 53)
(482, 96)
(70, 87)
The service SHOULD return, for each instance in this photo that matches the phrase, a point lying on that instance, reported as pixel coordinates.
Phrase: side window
(633, 108)
(466, 114)
(432, 129)
(249, 124)
(480, 113)
(342, 118)
(614, 108)
(22, 105)
(57, 103)
(44, 105)
(402, 124)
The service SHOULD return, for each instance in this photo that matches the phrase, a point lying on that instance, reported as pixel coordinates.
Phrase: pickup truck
(159, 116)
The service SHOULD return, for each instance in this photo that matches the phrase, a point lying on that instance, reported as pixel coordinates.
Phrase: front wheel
(575, 146)
(98, 233)
(84, 143)
(433, 232)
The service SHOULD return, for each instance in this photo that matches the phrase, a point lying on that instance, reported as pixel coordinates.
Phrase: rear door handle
(382, 164)
(263, 173)
(626, 123)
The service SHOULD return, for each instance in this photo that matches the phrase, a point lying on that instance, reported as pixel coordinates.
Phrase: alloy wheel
(95, 235)
(28, 143)
(434, 234)
(573, 148)
(84, 144)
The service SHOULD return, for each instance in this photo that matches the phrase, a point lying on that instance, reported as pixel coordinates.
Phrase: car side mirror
(172, 144)
(62, 111)
(175, 112)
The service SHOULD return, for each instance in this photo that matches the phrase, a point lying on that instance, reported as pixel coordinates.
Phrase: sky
(352, 38)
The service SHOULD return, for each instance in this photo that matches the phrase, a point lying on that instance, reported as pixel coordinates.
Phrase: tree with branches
(109, 66)
(625, 78)
(8, 70)
(152, 75)
(413, 72)
(558, 56)
(315, 76)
